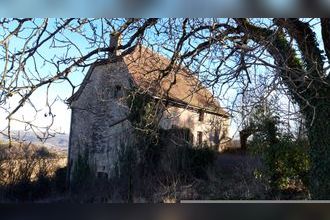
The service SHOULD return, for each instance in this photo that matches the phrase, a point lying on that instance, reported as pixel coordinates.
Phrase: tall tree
(296, 59)
(226, 54)
(308, 83)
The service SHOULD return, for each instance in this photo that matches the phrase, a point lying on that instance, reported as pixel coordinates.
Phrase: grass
(232, 175)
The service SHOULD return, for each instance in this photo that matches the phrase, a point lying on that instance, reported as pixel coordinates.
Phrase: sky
(162, 8)
(60, 91)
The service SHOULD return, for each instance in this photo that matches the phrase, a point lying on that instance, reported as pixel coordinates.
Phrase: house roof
(179, 85)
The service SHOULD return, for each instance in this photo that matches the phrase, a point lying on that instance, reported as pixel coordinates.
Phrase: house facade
(100, 126)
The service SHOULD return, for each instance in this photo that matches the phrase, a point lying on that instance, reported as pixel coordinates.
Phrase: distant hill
(60, 141)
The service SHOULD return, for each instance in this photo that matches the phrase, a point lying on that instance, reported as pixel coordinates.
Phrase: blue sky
(155, 8)
(61, 90)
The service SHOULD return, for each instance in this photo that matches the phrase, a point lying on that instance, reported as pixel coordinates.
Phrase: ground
(234, 177)
(231, 162)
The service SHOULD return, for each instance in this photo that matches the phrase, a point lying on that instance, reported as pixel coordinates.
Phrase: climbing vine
(145, 112)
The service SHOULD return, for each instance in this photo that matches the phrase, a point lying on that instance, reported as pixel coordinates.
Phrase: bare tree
(26, 46)
(288, 47)
(227, 55)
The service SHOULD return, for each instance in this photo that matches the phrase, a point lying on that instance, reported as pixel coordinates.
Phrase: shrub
(286, 159)
(288, 163)
(200, 160)
(125, 171)
(26, 171)
(180, 157)
(191, 161)
(60, 179)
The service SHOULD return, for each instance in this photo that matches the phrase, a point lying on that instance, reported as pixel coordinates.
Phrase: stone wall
(98, 123)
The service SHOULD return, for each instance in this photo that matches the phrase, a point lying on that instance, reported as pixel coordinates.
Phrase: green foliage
(200, 159)
(286, 160)
(318, 134)
(281, 42)
(287, 163)
(143, 112)
(144, 115)
(183, 157)
(159, 160)
(191, 161)
(264, 122)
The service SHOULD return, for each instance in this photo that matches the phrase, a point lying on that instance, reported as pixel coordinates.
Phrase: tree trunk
(318, 125)
(308, 84)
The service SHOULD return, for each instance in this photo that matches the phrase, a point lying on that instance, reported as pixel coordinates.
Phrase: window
(117, 92)
(201, 116)
(199, 137)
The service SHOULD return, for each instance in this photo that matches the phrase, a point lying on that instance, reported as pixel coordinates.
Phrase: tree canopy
(230, 56)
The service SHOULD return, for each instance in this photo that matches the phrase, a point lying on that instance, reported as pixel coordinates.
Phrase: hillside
(58, 142)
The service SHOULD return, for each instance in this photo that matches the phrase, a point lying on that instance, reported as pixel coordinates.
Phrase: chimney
(115, 41)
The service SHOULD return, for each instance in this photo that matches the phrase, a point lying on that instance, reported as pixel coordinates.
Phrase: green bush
(180, 157)
(286, 159)
(201, 160)
(192, 161)
(288, 163)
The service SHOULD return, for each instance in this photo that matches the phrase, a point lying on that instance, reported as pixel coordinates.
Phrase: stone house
(99, 121)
